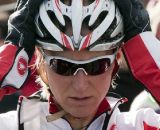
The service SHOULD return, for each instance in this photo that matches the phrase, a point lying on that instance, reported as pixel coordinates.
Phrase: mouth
(80, 101)
(80, 98)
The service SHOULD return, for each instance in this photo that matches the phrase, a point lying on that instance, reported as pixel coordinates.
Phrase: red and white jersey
(142, 54)
(32, 116)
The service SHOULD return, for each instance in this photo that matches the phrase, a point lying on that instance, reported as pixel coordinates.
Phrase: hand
(21, 26)
(15, 56)
(15, 72)
(135, 17)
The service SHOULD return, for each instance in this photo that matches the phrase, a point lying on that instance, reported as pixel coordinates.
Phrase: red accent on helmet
(86, 41)
(97, 2)
(57, 4)
(65, 41)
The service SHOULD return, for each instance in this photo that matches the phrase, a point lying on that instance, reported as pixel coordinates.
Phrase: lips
(79, 101)
(80, 98)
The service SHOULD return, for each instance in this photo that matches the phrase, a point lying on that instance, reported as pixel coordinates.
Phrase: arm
(141, 48)
(16, 55)
(144, 61)
(144, 119)
(15, 75)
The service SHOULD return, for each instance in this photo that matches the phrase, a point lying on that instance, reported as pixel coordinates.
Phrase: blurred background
(126, 87)
(6, 7)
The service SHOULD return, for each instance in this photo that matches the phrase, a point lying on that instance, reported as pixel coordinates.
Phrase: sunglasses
(67, 67)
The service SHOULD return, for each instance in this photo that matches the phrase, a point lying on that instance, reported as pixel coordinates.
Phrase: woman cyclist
(77, 59)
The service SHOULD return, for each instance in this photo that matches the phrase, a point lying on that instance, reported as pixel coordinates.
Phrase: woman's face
(81, 94)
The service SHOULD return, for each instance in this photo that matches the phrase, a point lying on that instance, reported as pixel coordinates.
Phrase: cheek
(103, 84)
(56, 83)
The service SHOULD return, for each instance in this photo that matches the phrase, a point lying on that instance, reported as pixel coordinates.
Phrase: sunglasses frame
(48, 58)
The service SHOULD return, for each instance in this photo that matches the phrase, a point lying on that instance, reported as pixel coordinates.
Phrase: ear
(119, 55)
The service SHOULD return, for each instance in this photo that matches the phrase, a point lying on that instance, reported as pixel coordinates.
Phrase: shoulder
(139, 120)
(32, 112)
(32, 107)
(132, 120)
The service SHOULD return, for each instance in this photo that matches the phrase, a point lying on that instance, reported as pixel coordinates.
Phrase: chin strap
(53, 110)
(55, 116)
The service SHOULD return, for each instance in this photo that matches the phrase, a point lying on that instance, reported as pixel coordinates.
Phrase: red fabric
(142, 65)
(148, 127)
(104, 106)
(31, 86)
(52, 106)
(6, 91)
(113, 127)
(7, 56)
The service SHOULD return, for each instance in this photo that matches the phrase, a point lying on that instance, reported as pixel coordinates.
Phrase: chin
(82, 113)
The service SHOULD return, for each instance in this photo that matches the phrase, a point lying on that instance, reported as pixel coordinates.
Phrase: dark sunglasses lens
(61, 67)
(66, 68)
(97, 67)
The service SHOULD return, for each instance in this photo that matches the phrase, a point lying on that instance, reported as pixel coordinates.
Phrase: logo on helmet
(22, 66)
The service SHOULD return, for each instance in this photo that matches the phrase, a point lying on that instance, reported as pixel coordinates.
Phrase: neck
(78, 123)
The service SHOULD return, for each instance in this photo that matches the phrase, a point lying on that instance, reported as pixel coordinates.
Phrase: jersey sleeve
(144, 119)
(142, 54)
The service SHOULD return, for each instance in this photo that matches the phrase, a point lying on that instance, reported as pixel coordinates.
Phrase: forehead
(79, 55)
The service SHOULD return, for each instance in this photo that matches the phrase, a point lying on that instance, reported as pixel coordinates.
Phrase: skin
(79, 95)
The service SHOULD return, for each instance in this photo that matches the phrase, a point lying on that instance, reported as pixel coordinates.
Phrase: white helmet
(101, 17)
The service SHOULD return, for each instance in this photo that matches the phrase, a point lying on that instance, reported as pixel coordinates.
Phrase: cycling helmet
(61, 24)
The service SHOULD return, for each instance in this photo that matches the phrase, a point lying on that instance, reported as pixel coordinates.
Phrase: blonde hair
(42, 78)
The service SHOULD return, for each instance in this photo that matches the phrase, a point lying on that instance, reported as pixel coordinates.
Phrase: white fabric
(118, 121)
(14, 78)
(8, 121)
(153, 46)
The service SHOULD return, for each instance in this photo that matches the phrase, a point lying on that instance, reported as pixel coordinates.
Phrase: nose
(79, 70)
(80, 80)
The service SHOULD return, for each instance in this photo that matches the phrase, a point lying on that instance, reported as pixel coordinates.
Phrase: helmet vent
(68, 27)
(85, 26)
(47, 36)
(107, 35)
(67, 2)
(43, 29)
(55, 20)
(87, 2)
(99, 20)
